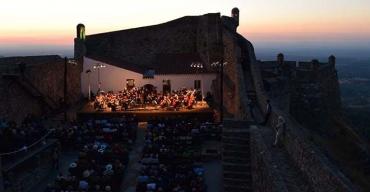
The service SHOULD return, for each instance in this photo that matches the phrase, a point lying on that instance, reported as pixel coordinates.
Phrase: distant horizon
(263, 51)
(303, 28)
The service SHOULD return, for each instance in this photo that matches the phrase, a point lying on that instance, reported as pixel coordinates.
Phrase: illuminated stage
(201, 112)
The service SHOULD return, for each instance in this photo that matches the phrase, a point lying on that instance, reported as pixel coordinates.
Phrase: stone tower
(332, 60)
(315, 65)
(235, 15)
(280, 59)
(79, 47)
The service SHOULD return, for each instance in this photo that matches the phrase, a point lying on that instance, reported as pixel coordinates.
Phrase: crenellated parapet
(310, 88)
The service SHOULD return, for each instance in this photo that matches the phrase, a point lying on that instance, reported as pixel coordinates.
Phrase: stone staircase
(27, 85)
(236, 157)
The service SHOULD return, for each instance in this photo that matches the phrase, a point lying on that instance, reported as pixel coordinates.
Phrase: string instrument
(175, 101)
(163, 102)
(191, 99)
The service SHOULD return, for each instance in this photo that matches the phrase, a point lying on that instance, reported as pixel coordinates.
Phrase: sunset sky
(36, 24)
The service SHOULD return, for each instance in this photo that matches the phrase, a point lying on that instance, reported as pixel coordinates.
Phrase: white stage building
(171, 72)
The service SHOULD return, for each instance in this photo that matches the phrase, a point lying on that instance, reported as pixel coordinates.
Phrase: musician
(130, 98)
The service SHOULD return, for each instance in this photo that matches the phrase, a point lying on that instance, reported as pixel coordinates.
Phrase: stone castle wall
(265, 177)
(16, 102)
(38, 88)
(321, 173)
(191, 34)
(315, 96)
(209, 37)
(235, 102)
(48, 78)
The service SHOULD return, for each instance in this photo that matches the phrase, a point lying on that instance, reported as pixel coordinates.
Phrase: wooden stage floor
(201, 113)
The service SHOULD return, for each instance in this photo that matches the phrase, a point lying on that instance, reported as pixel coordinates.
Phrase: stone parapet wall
(235, 94)
(37, 86)
(315, 96)
(48, 78)
(321, 173)
(264, 175)
(16, 102)
(190, 34)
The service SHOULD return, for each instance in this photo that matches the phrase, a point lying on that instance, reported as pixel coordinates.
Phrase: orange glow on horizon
(40, 22)
(37, 40)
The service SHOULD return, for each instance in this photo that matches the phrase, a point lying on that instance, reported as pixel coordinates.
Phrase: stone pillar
(332, 60)
(235, 15)
(79, 46)
(281, 69)
(80, 31)
(315, 65)
(280, 59)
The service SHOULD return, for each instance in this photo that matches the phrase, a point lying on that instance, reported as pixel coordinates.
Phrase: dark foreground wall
(35, 85)
(16, 103)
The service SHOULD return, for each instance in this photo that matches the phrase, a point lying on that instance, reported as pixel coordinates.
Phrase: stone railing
(321, 173)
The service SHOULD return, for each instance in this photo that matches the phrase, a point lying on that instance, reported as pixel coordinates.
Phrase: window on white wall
(149, 74)
(130, 83)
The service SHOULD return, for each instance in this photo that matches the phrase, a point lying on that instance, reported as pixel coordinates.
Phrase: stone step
(236, 188)
(245, 159)
(238, 182)
(240, 164)
(232, 159)
(236, 160)
(241, 141)
(236, 154)
(235, 147)
(236, 135)
(237, 143)
(235, 126)
(237, 167)
(236, 175)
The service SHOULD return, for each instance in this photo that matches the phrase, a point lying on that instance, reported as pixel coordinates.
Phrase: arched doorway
(166, 86)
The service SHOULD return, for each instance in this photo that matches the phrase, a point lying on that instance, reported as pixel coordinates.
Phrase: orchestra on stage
(141, 98)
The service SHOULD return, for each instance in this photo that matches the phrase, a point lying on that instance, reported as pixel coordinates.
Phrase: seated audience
(169, 158)
(13, 137)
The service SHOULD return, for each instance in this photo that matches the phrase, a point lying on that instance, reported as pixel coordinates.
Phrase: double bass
(191, 99)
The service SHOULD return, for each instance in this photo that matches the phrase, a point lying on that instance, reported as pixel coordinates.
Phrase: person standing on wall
(268, 113)
(279, 129)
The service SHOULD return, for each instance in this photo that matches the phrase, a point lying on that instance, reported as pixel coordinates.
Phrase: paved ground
(132, 171)
(214, 176)
(290, 174)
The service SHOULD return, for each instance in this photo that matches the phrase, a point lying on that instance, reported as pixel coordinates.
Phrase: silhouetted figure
(56, 159)
(279, 130)
(268, 113)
